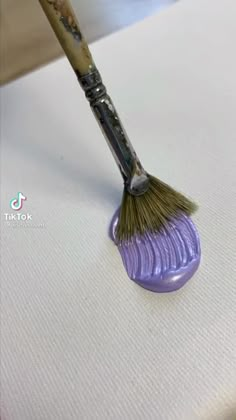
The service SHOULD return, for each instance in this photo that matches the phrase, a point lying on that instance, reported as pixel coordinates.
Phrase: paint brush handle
(66, 27)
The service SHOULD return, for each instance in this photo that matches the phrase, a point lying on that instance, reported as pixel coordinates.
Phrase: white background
(79, 339)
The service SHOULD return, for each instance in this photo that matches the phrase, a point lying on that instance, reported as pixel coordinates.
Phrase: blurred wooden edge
(28, 42)
(26, 39)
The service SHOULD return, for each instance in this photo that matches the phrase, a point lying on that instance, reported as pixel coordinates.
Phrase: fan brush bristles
(152, 210)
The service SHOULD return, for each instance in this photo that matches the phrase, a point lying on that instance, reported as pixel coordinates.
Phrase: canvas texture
(79, 340)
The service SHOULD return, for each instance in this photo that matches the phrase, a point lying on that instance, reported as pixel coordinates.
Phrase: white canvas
(80, 341)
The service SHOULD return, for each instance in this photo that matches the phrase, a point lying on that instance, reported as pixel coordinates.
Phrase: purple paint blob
(164, 261)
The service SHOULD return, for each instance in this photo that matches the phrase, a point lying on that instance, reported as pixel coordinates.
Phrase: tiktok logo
(20, 220)
(17, 203)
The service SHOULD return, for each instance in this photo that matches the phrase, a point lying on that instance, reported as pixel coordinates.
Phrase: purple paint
(164, 261)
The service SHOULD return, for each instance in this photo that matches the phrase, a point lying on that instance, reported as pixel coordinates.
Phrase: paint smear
(164, 261)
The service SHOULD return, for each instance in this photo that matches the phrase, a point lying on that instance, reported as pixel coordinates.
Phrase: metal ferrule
(135, 178)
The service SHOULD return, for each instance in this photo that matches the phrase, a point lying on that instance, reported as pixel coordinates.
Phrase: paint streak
(67, 18)
(73, 31)
(164, 261)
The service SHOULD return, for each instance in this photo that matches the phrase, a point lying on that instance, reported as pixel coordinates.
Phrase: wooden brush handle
(66, 27)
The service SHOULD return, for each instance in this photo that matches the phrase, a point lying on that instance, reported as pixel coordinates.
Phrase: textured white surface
(79, 339)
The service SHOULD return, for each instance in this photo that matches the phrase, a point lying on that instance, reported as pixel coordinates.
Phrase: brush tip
(151, 211)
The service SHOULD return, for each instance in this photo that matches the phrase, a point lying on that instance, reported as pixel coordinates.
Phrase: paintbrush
(148, 204)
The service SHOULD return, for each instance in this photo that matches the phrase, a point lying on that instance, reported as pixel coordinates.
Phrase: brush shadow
(228, 415)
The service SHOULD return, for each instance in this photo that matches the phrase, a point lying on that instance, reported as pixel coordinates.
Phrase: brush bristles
(152, 210)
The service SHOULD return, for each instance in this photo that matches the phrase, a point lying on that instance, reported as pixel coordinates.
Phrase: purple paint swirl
(164, 261)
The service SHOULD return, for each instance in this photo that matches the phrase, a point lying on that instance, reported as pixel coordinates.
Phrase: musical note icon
(17, 203)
